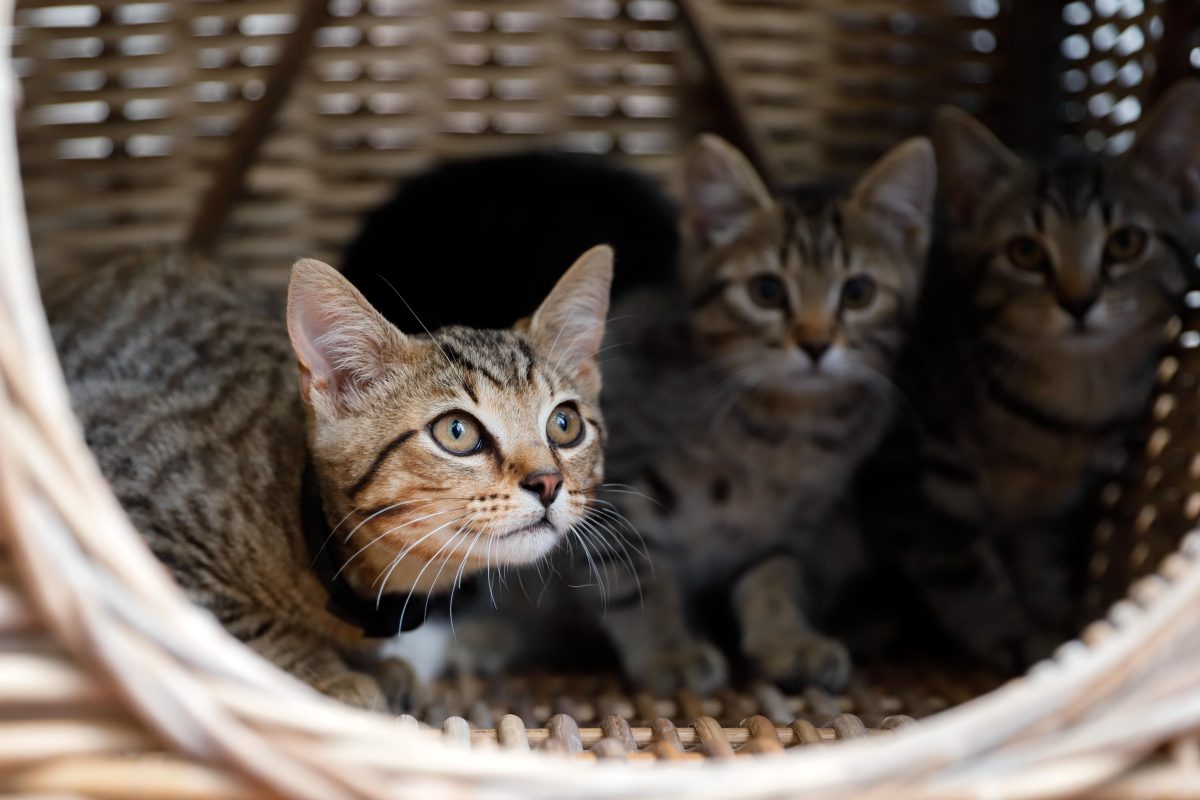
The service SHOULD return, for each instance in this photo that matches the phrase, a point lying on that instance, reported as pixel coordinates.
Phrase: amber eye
(768, 291)
(1125, 244)
(1026, 252)
(457, 433)
(858, 291)
(565, 427)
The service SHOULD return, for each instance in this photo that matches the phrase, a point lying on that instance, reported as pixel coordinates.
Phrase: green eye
(768, 291)
(858, 292)
(565, 426)
(1027, 253)
(457, 433)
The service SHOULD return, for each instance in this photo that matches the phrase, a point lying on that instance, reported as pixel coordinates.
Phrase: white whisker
(393, 507)
(458, 580)
(428, 332)
(386, 575)
(417, 580)
(388, 532)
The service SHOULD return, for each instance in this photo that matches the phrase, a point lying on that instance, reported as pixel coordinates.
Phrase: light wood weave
(130, 106)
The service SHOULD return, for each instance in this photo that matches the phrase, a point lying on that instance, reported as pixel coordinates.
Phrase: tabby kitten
(1039, 351)
(739, 409)
(429, 457)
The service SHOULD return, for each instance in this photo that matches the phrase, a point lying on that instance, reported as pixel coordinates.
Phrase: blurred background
(263, 129)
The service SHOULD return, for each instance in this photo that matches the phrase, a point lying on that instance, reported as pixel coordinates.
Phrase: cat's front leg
(649, 629)
(318, 663)
(395, 677)
(775, 633)
(1041, 565)
(971, 593)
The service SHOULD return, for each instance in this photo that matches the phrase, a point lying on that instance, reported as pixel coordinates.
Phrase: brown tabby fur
(187, 390)
(1028, 378)
(734, 433)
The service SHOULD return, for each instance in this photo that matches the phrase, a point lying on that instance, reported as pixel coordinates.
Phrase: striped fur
(1030, 370)
(186, 386)
(732, 440)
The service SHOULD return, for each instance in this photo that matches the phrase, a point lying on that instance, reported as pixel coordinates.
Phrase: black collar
(382, 616)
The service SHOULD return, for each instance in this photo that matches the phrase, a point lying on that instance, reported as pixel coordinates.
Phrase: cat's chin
(808, 382)
(525, 544)
(1091, 340)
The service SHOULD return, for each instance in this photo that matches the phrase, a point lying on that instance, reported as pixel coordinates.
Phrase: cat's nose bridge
(1076, 250)
(1076, 282)
(813, 327)
(531, 458)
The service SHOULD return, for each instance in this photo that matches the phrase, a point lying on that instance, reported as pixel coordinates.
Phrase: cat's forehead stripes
(814, 235)
(1073, 189)
(501, 357)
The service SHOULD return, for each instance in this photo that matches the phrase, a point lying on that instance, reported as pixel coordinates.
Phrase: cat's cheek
(837, 362)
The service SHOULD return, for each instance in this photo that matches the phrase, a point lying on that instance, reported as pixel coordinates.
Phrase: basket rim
(1085, 717)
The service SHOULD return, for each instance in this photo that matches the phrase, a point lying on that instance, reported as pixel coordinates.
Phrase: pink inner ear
(307, 325)
(722, 194)
(896, 205)
(720, 210)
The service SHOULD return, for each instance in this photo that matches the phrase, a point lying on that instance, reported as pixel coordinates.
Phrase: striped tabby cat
(1042, 336)
(429, 457)
(740, 406)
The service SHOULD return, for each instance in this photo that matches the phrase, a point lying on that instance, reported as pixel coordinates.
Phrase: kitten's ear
(970, 160)
(1168, 140)
(721, 191)
(341, 342)
(898, 191)
(568, 326)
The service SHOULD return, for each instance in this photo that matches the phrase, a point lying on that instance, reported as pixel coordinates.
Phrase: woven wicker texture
(112, 686)
(130, 107)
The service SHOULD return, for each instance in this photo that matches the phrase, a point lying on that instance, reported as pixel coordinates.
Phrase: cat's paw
(354, 689)
(698, 666)
(798, 661)
(398, 681)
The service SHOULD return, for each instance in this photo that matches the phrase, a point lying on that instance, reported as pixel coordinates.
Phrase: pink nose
(544, 484)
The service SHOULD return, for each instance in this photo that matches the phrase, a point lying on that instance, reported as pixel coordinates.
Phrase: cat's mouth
(526, 544)
(542, 525)
(1089, 335)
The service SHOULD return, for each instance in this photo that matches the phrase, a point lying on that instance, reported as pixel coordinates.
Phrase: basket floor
(598, 714)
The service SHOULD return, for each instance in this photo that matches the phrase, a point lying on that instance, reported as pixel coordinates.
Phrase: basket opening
(127, 114)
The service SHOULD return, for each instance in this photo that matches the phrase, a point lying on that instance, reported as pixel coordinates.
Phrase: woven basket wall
(130, 106)
(112, 686)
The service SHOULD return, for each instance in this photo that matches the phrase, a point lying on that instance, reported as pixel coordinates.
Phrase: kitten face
(449, 453)
(1078, 256)
(804, 299)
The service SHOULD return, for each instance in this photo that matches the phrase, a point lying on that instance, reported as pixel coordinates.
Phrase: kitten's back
(185, 386)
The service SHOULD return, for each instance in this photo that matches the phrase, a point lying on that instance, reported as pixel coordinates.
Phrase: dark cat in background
(483, 240)
(1041, 333)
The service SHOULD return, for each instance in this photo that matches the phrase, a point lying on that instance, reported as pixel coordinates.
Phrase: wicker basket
(111, 685)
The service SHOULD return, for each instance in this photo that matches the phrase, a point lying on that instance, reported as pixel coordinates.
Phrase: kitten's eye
(768, 291)
(1026, 252)
(858, 292)
(457, 433)
(565, 426)
(1125, 244)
